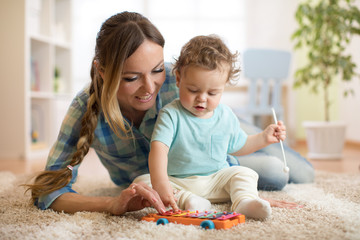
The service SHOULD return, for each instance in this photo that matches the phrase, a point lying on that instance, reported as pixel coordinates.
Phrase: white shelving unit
(39, 46)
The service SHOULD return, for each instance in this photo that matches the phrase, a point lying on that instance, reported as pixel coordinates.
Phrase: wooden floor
(350, 163)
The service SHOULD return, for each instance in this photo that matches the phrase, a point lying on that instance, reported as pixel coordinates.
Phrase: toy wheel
(207, 224)
(162, 221)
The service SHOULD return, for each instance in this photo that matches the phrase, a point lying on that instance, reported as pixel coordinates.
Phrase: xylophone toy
(206, 219)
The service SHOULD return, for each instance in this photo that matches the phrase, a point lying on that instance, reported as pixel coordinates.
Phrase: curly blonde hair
(208, 52)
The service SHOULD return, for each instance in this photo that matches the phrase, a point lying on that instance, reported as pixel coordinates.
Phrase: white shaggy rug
(331, 211)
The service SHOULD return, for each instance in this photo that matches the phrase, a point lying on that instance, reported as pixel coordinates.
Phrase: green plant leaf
(325, 29)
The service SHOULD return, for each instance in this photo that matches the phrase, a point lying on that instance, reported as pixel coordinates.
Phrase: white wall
(349, 107)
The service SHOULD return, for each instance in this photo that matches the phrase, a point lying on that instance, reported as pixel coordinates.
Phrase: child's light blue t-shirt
(197, 146)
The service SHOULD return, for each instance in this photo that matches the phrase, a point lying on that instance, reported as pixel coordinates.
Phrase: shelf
(50, 51)
(53, 41)
(40, 38)
(62, 44)
(41, 95)
(39, 43)
(49, 95)
(39, 146)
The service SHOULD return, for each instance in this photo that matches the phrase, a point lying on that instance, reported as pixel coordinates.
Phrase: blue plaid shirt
(125, 159)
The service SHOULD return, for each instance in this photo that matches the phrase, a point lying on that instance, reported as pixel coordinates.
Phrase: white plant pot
(325, 140)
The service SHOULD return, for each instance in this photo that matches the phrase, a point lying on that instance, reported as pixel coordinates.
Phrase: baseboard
(351, 143)
(348, 143)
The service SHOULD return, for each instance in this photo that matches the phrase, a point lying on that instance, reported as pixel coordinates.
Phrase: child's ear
(178, 77)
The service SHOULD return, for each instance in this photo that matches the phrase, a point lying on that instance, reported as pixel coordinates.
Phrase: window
(179, 21)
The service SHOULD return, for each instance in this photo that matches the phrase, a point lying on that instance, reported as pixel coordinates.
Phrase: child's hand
(274, 133)
(166, 194)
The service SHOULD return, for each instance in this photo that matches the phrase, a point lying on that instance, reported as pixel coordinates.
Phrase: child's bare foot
(254, 208)
(197, 203)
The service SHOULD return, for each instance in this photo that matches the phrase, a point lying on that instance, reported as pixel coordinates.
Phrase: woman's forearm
(73, 202)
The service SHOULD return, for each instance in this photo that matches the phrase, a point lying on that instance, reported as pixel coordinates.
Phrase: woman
(115, 115)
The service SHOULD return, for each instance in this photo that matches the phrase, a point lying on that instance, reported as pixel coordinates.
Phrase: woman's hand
(136, 197)
(283, 204)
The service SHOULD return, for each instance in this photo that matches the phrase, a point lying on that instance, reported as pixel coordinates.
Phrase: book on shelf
(34, 77)
(37, 123)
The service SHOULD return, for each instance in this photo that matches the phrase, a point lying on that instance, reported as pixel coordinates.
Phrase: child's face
(201, 89)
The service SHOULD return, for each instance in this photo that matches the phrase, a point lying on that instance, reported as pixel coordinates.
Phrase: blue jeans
(268, 163)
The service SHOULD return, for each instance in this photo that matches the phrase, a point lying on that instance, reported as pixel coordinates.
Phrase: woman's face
(142, 78)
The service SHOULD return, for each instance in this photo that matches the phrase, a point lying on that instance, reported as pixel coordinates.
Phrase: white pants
(234, 183)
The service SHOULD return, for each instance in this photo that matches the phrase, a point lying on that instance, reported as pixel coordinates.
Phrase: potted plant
(325, 28)
(56, 79)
